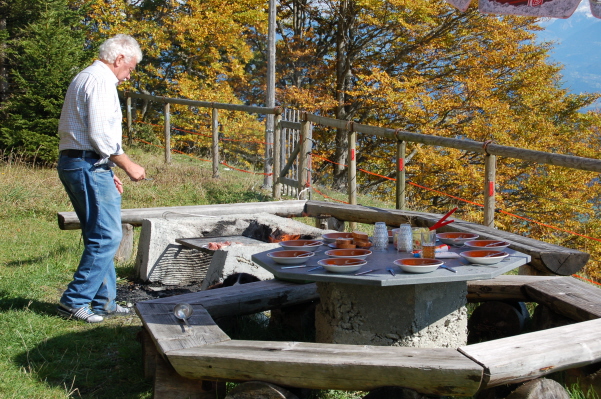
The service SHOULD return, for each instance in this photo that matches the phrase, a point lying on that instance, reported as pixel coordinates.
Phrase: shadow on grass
(90, 361)
(19, 303)
(103, 362)
(55, 254)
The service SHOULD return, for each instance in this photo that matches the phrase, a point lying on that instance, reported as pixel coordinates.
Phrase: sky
(577, 48)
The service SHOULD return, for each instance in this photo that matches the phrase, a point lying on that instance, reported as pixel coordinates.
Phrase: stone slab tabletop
(383, 260)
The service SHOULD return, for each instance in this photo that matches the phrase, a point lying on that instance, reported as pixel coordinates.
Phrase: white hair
(120, 45)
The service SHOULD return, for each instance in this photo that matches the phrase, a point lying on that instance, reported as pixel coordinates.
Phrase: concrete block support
(422, 315)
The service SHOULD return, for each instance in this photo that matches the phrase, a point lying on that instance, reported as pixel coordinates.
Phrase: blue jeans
(97, 204)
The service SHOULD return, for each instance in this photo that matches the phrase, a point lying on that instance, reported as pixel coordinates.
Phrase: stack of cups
(380, 239)
(405, 239)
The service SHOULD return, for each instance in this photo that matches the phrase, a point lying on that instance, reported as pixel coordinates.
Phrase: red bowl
(331, 237)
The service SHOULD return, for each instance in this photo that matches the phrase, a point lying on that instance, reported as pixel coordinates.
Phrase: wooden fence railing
(303, 145)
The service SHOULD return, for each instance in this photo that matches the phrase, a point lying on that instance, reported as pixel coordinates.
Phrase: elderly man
(90, 145)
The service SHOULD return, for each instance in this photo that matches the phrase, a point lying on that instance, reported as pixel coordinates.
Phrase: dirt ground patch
(134, 292)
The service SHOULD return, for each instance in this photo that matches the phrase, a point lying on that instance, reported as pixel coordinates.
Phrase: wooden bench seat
(205, 352)
(329, 366)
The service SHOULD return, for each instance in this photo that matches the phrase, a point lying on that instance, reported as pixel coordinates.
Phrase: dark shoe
(84, 313)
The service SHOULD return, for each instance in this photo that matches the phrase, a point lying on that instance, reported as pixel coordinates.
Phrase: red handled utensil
(442, 222)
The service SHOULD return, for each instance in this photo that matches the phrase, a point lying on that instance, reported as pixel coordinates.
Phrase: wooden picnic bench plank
(503, 288)
(548, 258)
(246, 298)
(568, 296)
(437, 371)
(134, 216)
(529, 356)
(169, 333)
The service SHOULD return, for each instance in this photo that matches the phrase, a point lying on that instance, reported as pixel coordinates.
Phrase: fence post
(303, 157)
(277, 165)
(401, 149)
(215, 148)
(352, 169)
(167, 134)
(490, 166)
(129, 119)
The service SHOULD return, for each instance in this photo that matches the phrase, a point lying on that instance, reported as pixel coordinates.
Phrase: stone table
(416, 310)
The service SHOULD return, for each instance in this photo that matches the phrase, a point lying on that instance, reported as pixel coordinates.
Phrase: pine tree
(43, 57)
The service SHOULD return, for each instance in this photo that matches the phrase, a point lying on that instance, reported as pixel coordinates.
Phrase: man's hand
(133, 170)
(118, 184)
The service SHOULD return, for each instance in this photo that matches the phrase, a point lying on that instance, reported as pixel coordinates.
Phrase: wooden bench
(204, 352)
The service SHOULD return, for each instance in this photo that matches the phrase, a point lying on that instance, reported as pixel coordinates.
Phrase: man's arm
(133, 170)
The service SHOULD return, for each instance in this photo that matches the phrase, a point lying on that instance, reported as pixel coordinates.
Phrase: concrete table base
(421, 315)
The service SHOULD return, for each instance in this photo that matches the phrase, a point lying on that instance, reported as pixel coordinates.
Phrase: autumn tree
(192, 49)
(424, 67)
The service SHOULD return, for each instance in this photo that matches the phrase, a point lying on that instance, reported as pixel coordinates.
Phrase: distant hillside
(578, 48)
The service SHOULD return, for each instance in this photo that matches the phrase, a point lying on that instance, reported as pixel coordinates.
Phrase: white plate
(412, 265)
(341, 268)
(483, 260)
(290, 257)
(356, 253)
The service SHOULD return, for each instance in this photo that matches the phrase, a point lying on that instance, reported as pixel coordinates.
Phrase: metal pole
(270, 100)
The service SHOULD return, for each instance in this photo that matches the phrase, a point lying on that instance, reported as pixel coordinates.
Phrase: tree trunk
(3, 72)
(343, 80)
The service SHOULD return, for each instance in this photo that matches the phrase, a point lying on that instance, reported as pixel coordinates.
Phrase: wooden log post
(167, 383)
(303, 163)
(126, 246)
(277, 151)
(352, 169)
(167, 134)
(401, 150)
(490, 166)
(215, 147)
(129, 120)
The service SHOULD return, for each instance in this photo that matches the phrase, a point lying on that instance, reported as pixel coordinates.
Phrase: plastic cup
(429, 244)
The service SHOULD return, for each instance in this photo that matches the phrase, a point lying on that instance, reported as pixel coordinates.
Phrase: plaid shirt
(91, 115)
